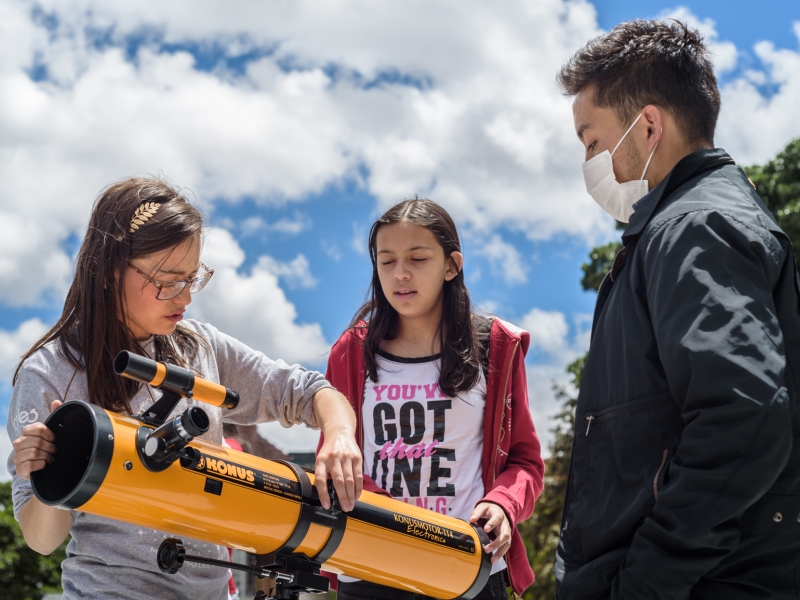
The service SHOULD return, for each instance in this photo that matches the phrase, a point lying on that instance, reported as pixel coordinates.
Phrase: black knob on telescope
(170, 556)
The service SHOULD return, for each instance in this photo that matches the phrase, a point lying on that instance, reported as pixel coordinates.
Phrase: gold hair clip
(144, 212)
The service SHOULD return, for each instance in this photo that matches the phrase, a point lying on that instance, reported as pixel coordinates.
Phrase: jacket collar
(689, 166)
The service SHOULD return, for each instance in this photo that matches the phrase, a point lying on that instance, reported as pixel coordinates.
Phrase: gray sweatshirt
(109, 559)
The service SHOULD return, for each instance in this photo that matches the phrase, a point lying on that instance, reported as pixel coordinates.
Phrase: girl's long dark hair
(92, 328)
(458, 340)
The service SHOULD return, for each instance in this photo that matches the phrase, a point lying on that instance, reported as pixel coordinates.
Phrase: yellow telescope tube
(241, 501)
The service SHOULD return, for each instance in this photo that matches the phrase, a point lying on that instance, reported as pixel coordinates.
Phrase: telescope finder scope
(172, 378)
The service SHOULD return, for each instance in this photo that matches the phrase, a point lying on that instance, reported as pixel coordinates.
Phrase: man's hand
(340, 456)
(34, 449)
(497, 522)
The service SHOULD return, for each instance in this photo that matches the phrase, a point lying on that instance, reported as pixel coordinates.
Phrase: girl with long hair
(137, 267)
(439, 393)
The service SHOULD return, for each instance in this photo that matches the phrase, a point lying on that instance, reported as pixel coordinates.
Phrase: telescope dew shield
(85, 443)
(177, 380)
(237, 500)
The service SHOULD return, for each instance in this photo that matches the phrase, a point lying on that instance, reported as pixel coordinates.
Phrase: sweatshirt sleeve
(709, 289)
(30, 403)
(521, 481)
(269, 390)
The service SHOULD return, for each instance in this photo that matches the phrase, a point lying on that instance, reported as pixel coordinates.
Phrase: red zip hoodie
(512, 466)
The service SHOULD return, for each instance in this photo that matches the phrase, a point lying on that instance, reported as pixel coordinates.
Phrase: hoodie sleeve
(269, 390)
(520, 482)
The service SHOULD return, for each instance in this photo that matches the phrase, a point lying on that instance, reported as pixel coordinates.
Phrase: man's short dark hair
(649, 62)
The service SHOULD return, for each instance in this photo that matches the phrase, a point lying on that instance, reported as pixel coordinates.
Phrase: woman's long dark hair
(92, 328)
(461, 361)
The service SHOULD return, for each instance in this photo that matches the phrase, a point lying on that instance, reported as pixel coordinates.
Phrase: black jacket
(685, 473)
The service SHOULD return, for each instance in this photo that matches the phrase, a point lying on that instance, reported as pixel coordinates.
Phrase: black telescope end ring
(135, 367)
(85, 443)
(195, 421)
(231, 399)
(121, 362)
(170, 555)
(485, 570)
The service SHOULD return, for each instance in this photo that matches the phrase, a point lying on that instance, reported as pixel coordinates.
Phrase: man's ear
(454, 266)
(653, 116)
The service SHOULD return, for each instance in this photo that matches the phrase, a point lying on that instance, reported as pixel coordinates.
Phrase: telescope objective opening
(85, 442)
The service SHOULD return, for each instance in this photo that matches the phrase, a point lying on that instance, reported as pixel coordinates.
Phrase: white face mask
(617, 199)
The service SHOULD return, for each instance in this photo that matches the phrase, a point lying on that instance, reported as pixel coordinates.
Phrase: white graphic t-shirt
(421, 446)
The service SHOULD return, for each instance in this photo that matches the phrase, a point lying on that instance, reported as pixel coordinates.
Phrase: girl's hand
(339, 457)
(497, 522)
(34, 449)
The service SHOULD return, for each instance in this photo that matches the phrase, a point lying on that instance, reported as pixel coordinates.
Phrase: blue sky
(295, 130)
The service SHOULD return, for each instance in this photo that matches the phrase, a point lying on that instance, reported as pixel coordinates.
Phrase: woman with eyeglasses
(137, 267)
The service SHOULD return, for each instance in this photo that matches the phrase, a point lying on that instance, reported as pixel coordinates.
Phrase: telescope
(153, 470)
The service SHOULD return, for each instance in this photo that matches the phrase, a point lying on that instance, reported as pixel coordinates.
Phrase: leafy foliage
(778, 184)
(541, 532)
(24, 574)
(600, 260)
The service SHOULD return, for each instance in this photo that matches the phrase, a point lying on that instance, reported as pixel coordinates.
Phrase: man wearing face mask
(685, 471)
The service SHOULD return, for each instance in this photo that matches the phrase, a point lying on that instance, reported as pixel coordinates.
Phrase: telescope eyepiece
(163, 444)
(194, 421)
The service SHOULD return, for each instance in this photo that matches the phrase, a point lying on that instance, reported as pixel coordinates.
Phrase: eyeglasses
(170, 289)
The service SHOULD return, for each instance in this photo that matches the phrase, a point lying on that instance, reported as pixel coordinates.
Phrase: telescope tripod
(293, 574)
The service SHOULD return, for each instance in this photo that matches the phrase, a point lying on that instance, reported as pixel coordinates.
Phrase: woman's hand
(34, 449)
(497, 522)
(43, 527)
(340, 456)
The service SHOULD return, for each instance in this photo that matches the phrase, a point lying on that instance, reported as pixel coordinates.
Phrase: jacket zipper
(503, 411)
(599, 290)
(626, 409)
(664, 458)
(621, 257)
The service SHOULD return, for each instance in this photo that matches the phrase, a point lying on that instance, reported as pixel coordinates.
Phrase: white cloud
(480, 132)
(724, 55)
(557, 345)
(754, 127)
(483, 130)
(296, 273)
(543, 401)
(252, 307)
(548, 330)
(31, 257)
(332, 250)
(252, 225)
(505, 259)
(360, 240)
(5, 452)
(13, 344)
(290, 439)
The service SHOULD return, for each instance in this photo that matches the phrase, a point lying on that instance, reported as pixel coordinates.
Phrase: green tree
(778, 184)
(541, 532)
(24, 574)
(600, 260)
